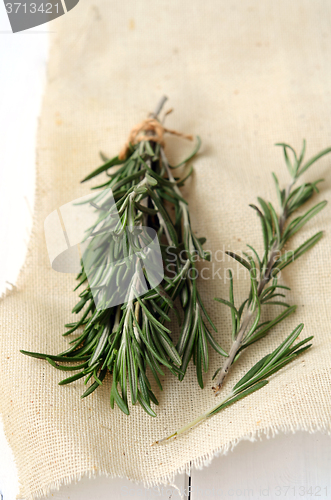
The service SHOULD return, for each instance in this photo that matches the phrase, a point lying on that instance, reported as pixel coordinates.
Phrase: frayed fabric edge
(197, 463)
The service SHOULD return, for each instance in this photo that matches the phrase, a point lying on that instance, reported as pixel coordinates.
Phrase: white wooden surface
(293, 466)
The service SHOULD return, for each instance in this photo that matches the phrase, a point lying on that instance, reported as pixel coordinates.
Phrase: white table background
(287, 466)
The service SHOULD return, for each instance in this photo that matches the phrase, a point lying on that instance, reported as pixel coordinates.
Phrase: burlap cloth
(242, 75)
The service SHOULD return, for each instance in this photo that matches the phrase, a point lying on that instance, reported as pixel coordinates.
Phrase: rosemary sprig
(131, 340)
(255, 378)
(246, 325)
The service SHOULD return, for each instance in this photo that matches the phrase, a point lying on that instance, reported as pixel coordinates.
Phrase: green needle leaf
(239, 259)
(239, 396)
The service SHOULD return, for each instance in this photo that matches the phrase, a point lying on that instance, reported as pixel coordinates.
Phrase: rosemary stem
(195, 422)
(275, 249)
(273, 255)
(274, 252)
(233, 351)
(159, 107)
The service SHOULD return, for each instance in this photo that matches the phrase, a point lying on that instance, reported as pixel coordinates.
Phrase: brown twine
(156, 133)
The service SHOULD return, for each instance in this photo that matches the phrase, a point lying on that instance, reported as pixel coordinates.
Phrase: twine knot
(149, 130)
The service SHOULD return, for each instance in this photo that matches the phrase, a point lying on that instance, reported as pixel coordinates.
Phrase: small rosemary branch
(255, 378)
(277, 231)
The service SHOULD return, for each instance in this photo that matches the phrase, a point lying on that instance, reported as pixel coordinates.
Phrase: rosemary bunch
(130, 339)
(277, 230)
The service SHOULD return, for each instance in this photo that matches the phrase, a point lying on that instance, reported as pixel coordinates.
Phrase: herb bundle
(247, 327)
(131, 340)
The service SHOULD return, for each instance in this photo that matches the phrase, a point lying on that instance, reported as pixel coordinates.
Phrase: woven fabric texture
(242, 76)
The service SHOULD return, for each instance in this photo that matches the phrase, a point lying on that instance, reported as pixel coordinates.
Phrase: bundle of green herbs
(131, 340)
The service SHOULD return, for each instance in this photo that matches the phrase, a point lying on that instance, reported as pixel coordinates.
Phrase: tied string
(149, 130)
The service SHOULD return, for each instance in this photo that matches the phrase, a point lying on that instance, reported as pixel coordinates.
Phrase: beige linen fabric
(242, 75)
